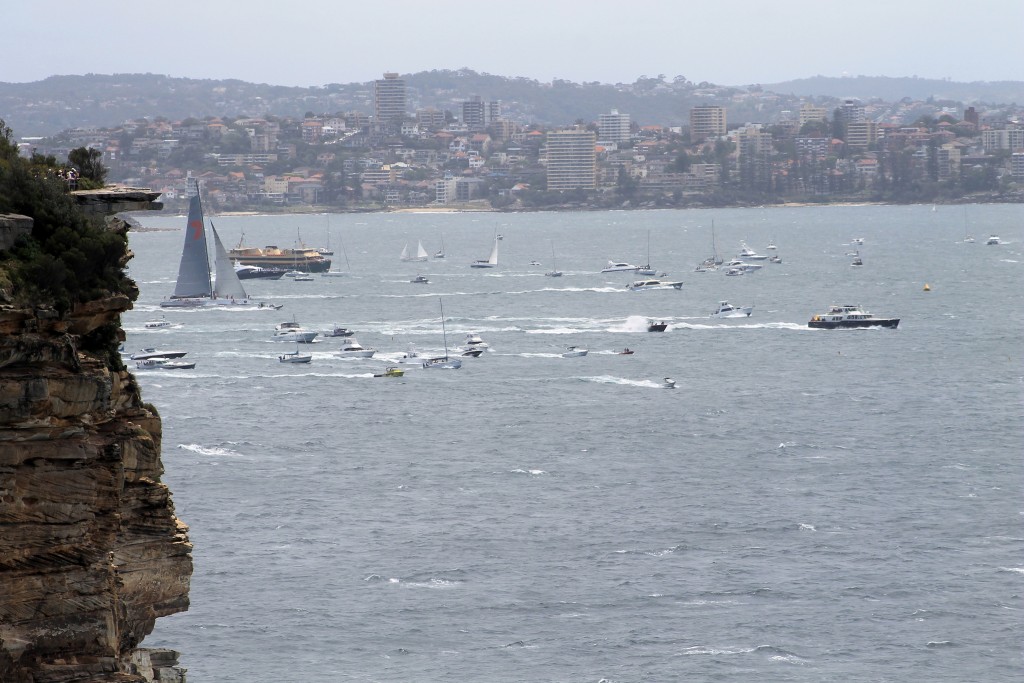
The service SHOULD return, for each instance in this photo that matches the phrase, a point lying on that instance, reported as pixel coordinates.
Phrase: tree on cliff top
(69, 257)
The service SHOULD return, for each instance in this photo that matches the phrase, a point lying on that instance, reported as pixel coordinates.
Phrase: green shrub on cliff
(69, 256)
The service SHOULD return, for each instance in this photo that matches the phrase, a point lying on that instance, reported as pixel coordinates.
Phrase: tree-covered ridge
(69, 257)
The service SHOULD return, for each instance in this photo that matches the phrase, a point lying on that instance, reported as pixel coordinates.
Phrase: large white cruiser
(849, 315)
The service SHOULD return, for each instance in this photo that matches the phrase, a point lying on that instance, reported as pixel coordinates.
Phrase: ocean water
(807, 505)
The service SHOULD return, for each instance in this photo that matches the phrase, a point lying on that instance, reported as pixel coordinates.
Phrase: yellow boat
(392, 371)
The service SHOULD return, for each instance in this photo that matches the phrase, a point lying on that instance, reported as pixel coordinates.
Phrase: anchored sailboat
(443, 362)
(554, 272)
(421, 253)
(491, 261)
(195, 287)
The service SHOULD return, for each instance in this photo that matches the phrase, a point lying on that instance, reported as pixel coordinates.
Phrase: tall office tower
(571, 160)
(614, 127)
(706, 121)
(389, 101)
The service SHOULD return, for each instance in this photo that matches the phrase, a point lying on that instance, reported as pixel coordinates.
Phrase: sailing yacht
(491, 261)
(554, 272)
(195, 288)
(421, 253)
(440, 252)
(443, 362)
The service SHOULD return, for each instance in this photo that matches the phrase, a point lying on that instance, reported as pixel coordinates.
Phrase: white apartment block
(1008, 138)
(571, 160)
(706, 121)
(614, 127)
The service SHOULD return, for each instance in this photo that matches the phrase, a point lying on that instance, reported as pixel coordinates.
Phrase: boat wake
(208, 450)
(623, 381)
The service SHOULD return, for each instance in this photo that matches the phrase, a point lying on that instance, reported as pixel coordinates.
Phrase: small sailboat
(443, 362)
(646, 269)
(554, 272)
(968, 237)
(440, 252)
(491, 260)
(337, 273)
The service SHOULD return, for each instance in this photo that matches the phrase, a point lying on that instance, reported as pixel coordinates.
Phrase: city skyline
(321, 42)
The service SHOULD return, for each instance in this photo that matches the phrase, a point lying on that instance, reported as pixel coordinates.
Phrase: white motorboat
(993, 240)
(857, 240)
(857, 261)
(295, 357)
(304, 277)
(614, 267)
(638, 285)
(775, 258)
(163, 364)
(771, 246)
(733, 272)
(473, 339)
(573, 352)
(473, 352)
(157, 324)
(748, 254)
(727, 310)
(353, 349)
(668, 383)
(293, 332)
(152, 353)
(492, 260)
(743, 265)
(849, 315)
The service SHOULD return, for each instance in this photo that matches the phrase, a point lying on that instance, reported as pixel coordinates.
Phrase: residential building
(948, 158)
(571, 160)
(1007, 138)
(809, 112)
(1017, 165)
(389, 101)
(861, 134)
(430, 119)
(614, 127)
(851, 111)
(474, 113)
(706, 121)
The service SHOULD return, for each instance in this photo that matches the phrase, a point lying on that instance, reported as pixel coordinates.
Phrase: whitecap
(1013, 570)
(807, 527)
(208, 450)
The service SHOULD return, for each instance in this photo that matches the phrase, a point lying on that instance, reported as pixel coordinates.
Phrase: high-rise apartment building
(706, 121)
(861, 134)
(474, 113)
(809, 112)
(614, 127)
(389, 101)
(571, 160)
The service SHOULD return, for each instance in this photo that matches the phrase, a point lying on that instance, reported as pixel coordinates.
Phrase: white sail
(227, 286)
(493, 258)
(404, 256)
(421, 253)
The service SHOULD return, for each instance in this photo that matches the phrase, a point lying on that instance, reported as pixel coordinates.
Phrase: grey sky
(314, 42)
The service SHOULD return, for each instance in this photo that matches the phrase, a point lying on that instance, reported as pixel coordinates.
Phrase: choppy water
(807, 506)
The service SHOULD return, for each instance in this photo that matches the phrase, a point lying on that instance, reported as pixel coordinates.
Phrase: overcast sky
(315, 42)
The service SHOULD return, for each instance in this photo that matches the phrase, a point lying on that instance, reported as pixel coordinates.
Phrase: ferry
(305, 259)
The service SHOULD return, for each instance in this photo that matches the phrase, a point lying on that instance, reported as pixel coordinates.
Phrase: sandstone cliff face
(91, 552)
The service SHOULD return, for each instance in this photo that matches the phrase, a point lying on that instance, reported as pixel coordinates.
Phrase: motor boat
(293, 332)
(857, 261)
(163, 364)
(245, 272)
(412, 356)
(473, 339)
(626, 352)
(338, 332)
(573, 352)
(743, 265)
(353, 349)
(391, 371)
(304, 277)
(857, 240)
(727, 310)
(771, 246)
(614, 267)
(668, 383)
(733, 272)
(993, 240)
(294, 357)
(420, 280)
(157, 324)
(535, 262)
(638, 285)
(471, 353)
(774, 258)
(153, 354)
(653, 326)
(748, 254)
(849, 315)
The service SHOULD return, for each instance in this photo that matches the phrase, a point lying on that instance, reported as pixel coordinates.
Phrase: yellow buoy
(927, 287)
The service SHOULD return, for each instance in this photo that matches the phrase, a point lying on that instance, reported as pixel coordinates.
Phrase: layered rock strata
(91, 553)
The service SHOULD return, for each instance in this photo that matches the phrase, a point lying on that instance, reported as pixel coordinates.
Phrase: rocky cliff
(91, 553)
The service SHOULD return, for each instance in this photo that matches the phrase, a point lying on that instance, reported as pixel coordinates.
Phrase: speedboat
(626, 352)
(294, 357)
(157, 324)
(304, 277)
(353, 349)
(535, 262)
(857, 240)
(614, 267)
(473, 339)
(727, 310)
(153, 354)
(653, 326)
(638, 285)
(392, 371)
(743, 265)
(857, 261)
(774, 258)
(420, 280)
(849, 315)
(993, 239)
(245, 272)
(771, 246)
(412, 356)
(573, 352)
(163, 364)
(471, 353)
(338, 332)
(732, 272)
(669, 383)
(293, 332)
